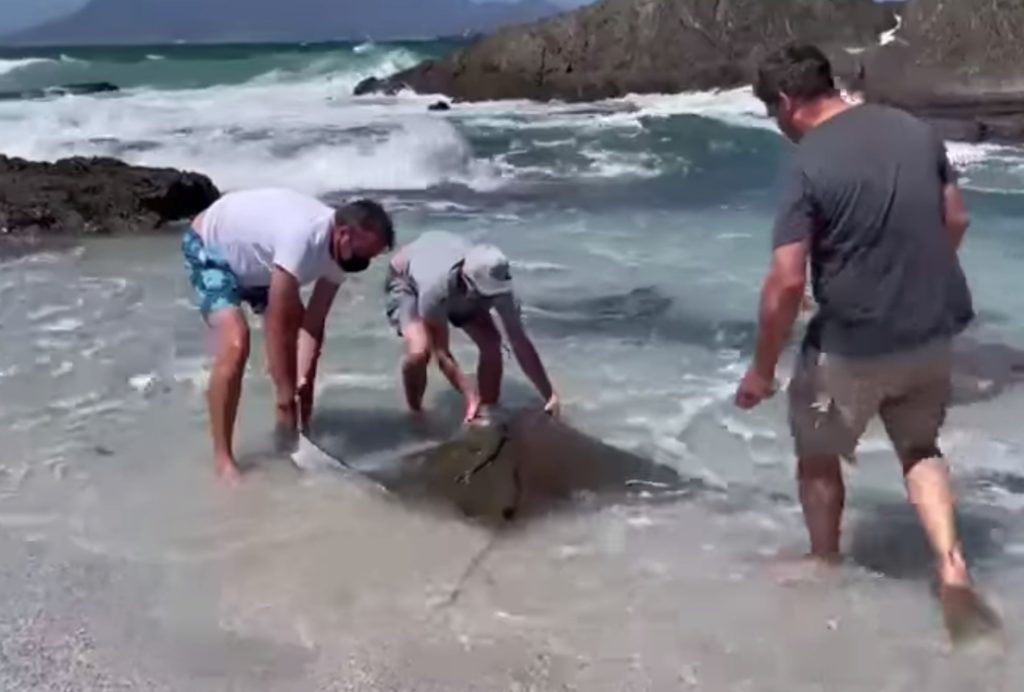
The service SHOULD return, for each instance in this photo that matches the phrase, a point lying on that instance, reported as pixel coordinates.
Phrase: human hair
(368, 215)
(801, 71)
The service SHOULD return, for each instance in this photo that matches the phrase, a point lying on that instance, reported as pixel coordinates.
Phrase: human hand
(753, 389)
(472, 406)
(553, 407)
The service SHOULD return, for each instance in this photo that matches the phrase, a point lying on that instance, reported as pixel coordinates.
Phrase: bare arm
(310, 343)
(781, 297)
(954, 210)
(528, 358)
(284, 317)
(439, 344)
(955, 213)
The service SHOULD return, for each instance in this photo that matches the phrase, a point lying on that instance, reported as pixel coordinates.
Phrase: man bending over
(259, 247)
(440, 279)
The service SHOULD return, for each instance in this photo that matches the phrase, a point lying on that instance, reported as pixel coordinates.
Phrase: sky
(20, 14)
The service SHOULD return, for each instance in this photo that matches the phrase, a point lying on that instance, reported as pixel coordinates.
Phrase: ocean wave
(206, 68)
(301, 135)
(297, 123)
(9, 66)
(412, 154)
(342, 70)
(738, 107)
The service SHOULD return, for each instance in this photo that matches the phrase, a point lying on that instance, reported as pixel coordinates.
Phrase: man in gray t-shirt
(440, 279)
(871, 203)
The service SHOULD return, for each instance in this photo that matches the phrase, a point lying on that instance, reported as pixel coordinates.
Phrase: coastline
(933, 59)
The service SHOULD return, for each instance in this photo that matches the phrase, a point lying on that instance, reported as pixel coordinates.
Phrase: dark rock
(439, 106)
(967, 130)
(956, 64)
(94, 196)
(618, 47)
(373, 85)
(82, 88)
(524, 467)
(85, 88)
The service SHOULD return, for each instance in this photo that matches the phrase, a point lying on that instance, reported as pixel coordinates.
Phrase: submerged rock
(77, 89)
(618, 47)
(94, 196)
(525, 466)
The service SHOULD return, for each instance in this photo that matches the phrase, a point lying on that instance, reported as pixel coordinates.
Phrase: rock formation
(621, 46)
(93, 196)
(960, 64)
(955, 63)
(60, 90)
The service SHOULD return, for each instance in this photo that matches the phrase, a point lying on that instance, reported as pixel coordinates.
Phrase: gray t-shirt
(865, 187)
(431, 265)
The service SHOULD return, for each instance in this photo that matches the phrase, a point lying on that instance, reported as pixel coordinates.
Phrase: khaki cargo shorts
(832, 399)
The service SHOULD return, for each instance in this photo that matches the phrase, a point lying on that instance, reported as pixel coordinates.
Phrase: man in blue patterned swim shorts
(259, 247)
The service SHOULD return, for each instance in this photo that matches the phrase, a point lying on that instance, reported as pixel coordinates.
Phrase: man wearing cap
(439, 279)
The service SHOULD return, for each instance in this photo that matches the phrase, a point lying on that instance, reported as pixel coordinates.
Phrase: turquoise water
(180, 66)
(638, 228)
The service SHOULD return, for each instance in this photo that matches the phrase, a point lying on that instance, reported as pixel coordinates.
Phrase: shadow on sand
(889, 540)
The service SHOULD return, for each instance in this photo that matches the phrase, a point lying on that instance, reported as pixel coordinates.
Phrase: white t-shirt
(255, 229)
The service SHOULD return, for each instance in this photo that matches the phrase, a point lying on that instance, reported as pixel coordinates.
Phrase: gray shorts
(401, 302)
(832, 399)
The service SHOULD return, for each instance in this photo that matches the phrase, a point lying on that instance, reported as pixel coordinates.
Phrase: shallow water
(126, 567)
(638, 229)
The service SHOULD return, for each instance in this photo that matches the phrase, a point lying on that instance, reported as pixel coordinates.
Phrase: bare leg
(225, 387)
(822, 494)
(414, 363)
(485, 335)
(928, 487)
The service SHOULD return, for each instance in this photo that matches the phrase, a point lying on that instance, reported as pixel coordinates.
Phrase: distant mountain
(207, 21)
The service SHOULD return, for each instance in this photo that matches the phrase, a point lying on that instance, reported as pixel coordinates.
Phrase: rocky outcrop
(960, 64)
(60, 90)
(621, 46)
(957, 63)
(77, 196)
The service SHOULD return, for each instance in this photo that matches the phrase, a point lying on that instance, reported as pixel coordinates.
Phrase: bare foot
(792, 569)
(966, 614)
(227, 472)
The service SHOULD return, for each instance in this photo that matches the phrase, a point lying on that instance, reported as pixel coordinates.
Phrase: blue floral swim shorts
(214, 284)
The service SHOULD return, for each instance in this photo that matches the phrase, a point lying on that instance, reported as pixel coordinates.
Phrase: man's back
(885, 273)
(427, 262)
(255, 228)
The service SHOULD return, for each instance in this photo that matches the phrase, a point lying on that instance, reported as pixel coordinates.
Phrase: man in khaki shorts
(872, 203)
